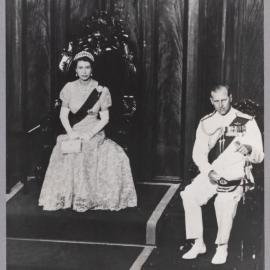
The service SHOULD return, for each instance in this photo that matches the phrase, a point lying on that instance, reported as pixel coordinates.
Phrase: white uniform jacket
(230, 163)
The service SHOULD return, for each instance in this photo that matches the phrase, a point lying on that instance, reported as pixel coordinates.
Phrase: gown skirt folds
(98, 177)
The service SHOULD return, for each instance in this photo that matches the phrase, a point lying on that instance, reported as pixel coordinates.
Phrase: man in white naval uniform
(226, 141)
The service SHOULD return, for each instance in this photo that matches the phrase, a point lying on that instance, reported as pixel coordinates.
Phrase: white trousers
(197, 194)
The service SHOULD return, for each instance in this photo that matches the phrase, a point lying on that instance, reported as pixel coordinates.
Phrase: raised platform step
(25, 219)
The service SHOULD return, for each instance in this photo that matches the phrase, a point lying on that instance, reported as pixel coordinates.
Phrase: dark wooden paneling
(59, 39)
(147, 73)
(156, 30)
(14, 93)
(14, 66)
(210, 51)
(192, 84)
(244, 49)
(231, 47)
(37, 60)
(169, 87)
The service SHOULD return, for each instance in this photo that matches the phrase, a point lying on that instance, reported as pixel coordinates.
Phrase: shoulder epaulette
(208, 116)
(244, 115)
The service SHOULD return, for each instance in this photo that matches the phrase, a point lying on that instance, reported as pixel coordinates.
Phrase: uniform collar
(225, 120)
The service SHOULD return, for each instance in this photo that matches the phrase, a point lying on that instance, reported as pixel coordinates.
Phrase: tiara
(84, 54)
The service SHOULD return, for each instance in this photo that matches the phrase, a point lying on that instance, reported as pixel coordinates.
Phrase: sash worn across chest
(75, 118)
(237, 126)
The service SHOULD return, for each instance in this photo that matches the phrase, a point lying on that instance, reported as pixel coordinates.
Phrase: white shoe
(221, 254)
(197, 248)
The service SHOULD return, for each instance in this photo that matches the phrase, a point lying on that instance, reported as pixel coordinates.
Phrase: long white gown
(99, 177)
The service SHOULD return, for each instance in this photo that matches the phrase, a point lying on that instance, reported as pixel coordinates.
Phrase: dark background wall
(182, 48)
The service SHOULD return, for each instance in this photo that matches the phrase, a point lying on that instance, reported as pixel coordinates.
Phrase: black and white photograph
(135, 135)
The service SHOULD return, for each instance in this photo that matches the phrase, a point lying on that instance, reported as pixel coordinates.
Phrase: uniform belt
(225, 183)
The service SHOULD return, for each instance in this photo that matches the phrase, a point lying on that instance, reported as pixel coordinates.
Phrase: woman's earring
(76, 74)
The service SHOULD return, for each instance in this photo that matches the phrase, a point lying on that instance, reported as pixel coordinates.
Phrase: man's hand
(244, 149)
(213, 176)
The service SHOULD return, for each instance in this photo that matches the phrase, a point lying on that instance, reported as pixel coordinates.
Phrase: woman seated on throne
(86, 169)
